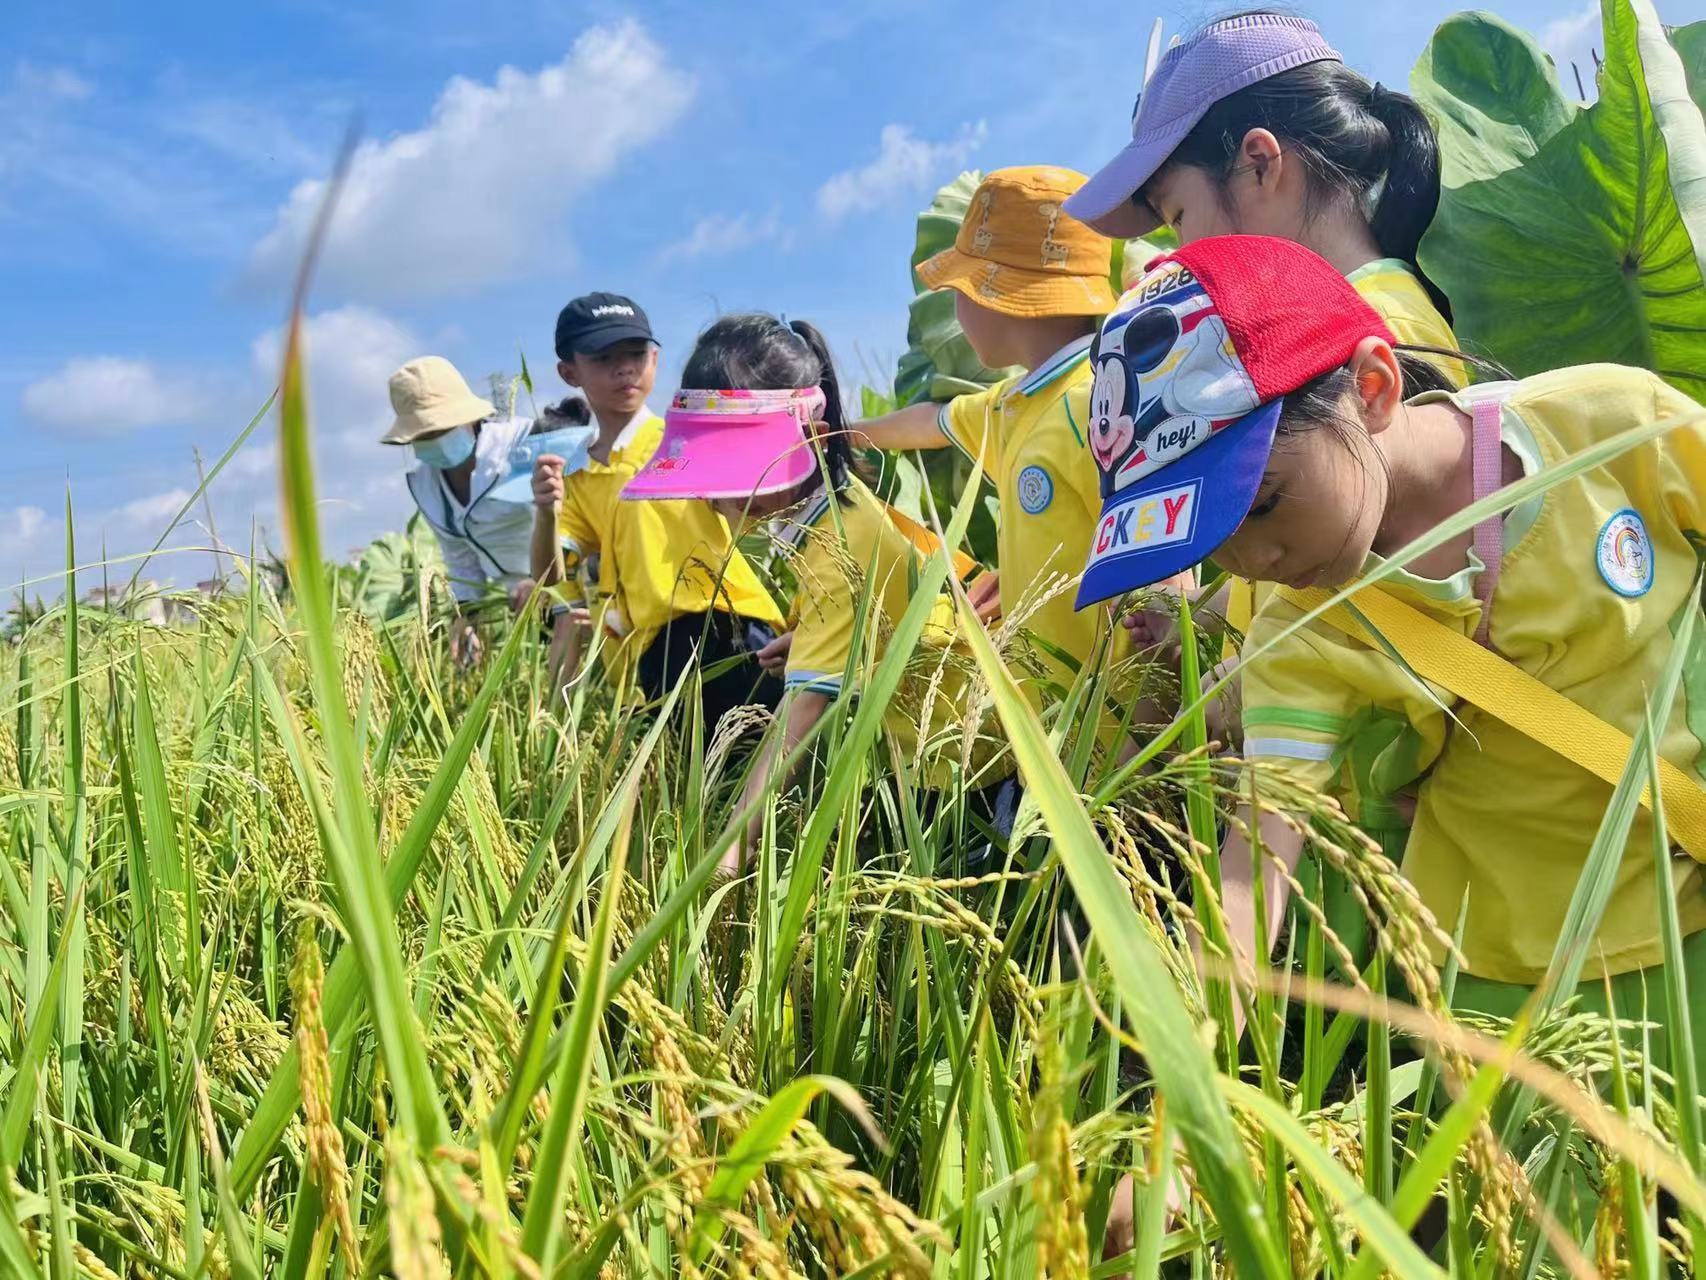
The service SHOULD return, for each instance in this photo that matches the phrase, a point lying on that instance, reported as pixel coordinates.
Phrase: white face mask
(448, 451)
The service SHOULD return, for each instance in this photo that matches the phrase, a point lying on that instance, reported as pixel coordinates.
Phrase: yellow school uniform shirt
(1030, 432)
(835, 554)
(1500, 816)
(655, 560)
(1390, 286)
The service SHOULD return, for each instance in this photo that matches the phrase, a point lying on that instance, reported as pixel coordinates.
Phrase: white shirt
(486, 540)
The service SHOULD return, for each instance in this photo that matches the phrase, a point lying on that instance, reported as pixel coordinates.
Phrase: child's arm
(914, 427)
(544, 553)
(568, 641)
(1237, 888)
(804, 710)
(466, 575)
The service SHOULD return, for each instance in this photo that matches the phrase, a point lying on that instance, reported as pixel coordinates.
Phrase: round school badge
(1625, 554)
(1036, 490)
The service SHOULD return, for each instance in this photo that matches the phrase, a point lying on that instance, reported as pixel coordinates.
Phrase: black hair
(571, 411)
(1321, 401)
(1353, 137)
(752, 351)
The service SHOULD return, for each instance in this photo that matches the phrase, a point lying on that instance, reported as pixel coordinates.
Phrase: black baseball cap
(595, 321)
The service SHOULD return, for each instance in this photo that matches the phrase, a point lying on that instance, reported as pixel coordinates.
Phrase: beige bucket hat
(429, 396)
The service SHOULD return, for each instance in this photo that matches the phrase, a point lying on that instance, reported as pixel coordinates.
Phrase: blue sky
(159, 161)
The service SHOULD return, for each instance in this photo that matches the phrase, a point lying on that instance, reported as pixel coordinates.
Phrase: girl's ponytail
(837, 444)
(1358, 142)
(1409, 194)
(834, 412)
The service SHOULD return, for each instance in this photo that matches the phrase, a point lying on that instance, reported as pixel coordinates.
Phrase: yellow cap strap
(1503, 690)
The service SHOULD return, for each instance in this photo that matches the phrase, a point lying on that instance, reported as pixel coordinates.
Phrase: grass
(324, 960)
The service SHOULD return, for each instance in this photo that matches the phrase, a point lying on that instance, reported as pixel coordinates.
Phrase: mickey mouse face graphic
(1119, 419)
(1110, 425)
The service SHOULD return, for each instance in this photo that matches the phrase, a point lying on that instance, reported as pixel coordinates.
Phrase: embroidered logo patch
(1625, 554)
(1036, 490)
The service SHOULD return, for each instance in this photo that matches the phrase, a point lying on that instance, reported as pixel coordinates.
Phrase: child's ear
(566, 371)
(1379, 384)
(1262, 153)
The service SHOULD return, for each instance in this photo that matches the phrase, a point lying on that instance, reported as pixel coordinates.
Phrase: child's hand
(984, 596)
(465, 643)
(1152, 628)
(520, 594)
(1159, 626)
(548, 482)
(773, 657)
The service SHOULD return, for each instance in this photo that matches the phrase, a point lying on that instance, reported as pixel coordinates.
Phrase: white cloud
(110, 395)
(905, 163)
(351, 352)
(23, 522)
(1571, 40)
(154, 508)
(51, 82)
(254, 134)
(470, 198)
(722, 234)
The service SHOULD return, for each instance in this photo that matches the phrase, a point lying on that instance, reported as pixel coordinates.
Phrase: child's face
(1319, 509)
(616, 380)
(1261, 196)
(742, 513)
(989, 332)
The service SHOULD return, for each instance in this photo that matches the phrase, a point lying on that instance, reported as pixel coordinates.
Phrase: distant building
(145, 602)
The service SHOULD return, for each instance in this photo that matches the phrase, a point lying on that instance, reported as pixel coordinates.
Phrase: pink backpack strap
(1488, 466)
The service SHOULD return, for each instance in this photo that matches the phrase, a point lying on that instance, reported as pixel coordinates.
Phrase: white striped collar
(803, 519)
(625, 437)
(1066, 358)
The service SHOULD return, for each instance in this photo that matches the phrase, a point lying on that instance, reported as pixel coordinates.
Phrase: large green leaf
(1690, 44)
(1564, 231)
(389, 572)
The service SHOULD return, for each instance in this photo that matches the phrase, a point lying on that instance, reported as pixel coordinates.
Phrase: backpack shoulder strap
(1504, 690)
(1487, 458)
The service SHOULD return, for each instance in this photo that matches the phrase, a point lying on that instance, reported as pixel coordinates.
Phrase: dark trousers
(711, 639)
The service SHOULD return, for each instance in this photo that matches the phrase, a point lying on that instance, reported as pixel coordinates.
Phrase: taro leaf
(390, 569)
(1563, 231)
(939, 363)
(1690, 45)
(1136, 254)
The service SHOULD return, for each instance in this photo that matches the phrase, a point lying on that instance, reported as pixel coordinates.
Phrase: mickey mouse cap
(1191, 373)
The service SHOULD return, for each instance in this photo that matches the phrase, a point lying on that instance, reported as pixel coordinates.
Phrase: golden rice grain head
(411, 1214)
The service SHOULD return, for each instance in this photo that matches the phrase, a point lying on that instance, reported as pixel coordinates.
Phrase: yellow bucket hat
(429, 396)
(1020, 253)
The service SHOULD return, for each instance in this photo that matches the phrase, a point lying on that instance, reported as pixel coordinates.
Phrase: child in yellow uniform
(1030, 283)
(1285, 444)
(666, 580)
(759, 404)
(1303, 148)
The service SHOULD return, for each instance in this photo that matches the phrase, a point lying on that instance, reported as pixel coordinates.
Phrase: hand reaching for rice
(520, 594)
(984, 596)
(1158, 626)
(773, 657)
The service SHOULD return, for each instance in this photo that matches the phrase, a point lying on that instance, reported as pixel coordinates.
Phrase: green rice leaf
(1184, 1070)
(558, 1148)
(1380, 1232)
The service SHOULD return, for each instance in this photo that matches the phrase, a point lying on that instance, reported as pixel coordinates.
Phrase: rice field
(322, 959)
